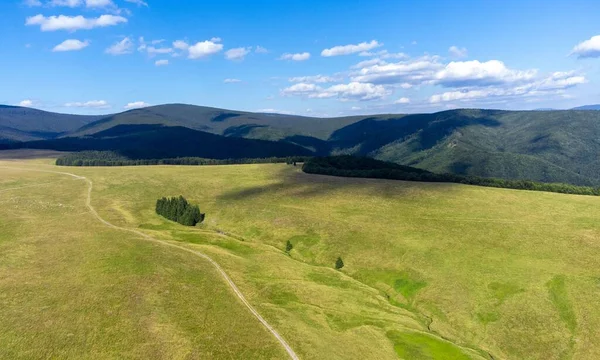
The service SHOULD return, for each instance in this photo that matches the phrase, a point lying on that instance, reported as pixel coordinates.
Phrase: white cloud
(215, 39)
(137, 2)
(403, 100)
(367, 63)
(355, 91)
(99, 3)
(73, 23)
(588, 49)
(295, 57)
(273, 111)
(66, 3)
(351, 91)
(457, 52)
(96, 104)
(350, 49)
(152, 51)
(415, 71)
(231, 81)
(356, 108)
(237, 53)
(313, 79)
(384, 54)
(124, 46)
(554, 84)
(161, 62)
(260, 50)
(26, 103)
(475, 73)
(204, 49)
(136, 105)
(181, 45)
(32, 3)
(301, 89)
(71, 45)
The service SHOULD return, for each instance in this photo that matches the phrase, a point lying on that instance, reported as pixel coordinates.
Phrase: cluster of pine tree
(111, 158)
(179, 210)
(350, 166)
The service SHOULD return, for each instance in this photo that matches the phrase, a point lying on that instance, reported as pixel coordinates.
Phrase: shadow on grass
(295, 183)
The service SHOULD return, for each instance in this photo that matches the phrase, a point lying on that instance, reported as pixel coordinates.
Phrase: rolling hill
(26, 124)
(588, 107)
(547, 146)
(157, 142)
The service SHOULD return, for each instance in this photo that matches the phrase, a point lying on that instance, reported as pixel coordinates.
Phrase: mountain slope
(552, 146)
(158, 142)
(222, 122)
(588, 107)
(24, 124)
(548, 146)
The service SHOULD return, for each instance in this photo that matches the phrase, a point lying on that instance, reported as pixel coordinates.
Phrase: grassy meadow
(432, 271)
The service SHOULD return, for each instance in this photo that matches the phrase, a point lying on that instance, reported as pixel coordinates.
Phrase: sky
(313, 58)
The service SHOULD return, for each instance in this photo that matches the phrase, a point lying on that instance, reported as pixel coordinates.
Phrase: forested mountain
(24, 124)
(548, 146)
(156, 142)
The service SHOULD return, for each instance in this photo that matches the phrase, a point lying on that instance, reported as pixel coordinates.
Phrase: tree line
(179, 210)
(351, 166)
(111, 158)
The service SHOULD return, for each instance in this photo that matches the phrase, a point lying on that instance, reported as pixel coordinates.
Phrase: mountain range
(548, 146)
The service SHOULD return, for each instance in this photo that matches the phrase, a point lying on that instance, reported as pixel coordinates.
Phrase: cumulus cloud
(99, 3)
(204, 49)
(553, 84)
(384, 54)
(402, 100)
(136, 105)
(588, 49)
(73, 23)
(161, 62)
(95, 104)
(71, 45)
(350, 49)
(231, 81)
(181, 45)
(314, 79)
(237, 53)
(66, 3)
(414, 71)
(344, 92)
(122, 47)
(475, 73)
(457, 52)
(295, 57)
(26, 103)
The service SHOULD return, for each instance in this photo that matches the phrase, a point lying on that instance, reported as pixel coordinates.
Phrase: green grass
(431, 270)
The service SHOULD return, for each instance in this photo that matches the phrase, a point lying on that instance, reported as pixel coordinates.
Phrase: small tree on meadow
(288, 246)
(339, 263)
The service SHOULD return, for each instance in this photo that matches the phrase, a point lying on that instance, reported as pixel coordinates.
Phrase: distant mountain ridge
(547, 146)
(588, 107)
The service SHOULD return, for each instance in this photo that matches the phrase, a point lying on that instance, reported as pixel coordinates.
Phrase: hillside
(222, 122)
(157, 142)
(547, 146)
(588, 107)
(432, 270)
(26, 124)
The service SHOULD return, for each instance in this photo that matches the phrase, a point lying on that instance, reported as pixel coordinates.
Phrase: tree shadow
(298, 184)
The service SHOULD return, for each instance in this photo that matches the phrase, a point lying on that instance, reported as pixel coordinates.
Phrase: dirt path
(146, 237)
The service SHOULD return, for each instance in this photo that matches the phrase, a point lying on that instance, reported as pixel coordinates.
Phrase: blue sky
(321, 58)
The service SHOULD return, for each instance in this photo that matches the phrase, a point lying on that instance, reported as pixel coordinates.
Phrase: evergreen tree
(339, 263)
(288, 246)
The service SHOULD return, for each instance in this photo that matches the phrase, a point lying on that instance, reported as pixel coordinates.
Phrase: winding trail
(147, 237)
